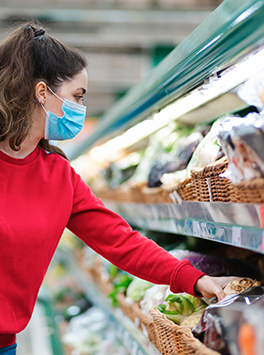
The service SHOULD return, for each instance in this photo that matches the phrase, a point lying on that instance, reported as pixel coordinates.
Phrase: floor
(34, 340)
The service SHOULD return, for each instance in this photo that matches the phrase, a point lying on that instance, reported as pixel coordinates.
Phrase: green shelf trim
(234, 29)
(56, 345)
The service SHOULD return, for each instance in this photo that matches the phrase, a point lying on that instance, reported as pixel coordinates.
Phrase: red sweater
(41, 195)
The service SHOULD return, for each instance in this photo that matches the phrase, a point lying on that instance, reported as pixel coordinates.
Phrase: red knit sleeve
(111, 236)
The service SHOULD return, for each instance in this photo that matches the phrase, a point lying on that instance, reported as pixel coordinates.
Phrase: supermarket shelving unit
(206, 68)
(203, 66)
(236, 224)
(41, 336)
(129, 335)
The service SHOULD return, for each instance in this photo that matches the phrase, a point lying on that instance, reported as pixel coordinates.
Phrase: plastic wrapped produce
(220, 322)
(177, 160)
(208, 149)
(252, 91)
(163, 164)
(243, 143)
(187, 145)
(206, 152)
(159, 143)
(239, 286)
(250, 339)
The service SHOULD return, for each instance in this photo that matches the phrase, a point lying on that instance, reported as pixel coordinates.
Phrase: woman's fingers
(211, 287)
(220, 294)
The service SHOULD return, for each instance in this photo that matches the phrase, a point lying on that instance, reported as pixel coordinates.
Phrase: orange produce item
(247, 339)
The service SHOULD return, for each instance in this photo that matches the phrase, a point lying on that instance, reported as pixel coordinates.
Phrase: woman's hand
(210, 286)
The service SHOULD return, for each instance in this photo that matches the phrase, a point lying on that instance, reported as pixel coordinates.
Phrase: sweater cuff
(184, 277)
(7, 340)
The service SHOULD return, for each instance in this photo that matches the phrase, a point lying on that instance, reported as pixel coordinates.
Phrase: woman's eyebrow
(84, 90)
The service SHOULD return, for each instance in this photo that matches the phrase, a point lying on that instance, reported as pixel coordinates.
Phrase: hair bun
(39, 32)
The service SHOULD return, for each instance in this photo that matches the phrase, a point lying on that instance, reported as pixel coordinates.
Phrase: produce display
(162, 157)
(166, 174)
(160, 314)
(249, 338)
(137, 288)
(221, 160)
(183, 309)
(220, 324)
(224, 159)
(91, 333)
(177, 160)
(243, 144)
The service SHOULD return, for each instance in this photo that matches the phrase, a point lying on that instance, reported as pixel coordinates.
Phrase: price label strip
(236, 236)
(196, 228)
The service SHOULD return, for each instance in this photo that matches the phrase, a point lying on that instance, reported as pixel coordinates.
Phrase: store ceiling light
(214, 87)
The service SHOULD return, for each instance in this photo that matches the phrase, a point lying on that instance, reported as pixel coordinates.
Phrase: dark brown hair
(27, 56)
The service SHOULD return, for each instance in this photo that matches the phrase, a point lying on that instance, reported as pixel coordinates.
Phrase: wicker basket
(134, 313)
(122, 193)
(185, 190)
(105, 193)
(104, 285)
(174, 339)
(156, 195)
(126, 307)
(135, 193)
(249, 191)
(209, 186)
(145, 323)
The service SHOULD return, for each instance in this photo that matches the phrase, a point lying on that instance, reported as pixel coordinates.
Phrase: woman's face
(73, 90)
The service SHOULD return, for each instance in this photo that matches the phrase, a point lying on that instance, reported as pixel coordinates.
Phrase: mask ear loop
(42, 104)
(54, 93)
(44, 109)
(47, 116)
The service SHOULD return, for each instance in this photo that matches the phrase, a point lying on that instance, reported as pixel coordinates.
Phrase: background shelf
(131, 337)
(236, 224)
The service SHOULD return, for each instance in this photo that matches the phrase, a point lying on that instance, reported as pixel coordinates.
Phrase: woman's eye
(79, 98)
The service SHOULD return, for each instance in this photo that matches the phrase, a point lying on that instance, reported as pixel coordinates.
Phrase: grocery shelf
(36, 338)
(236, 224)
(131, 337)
(236, 28)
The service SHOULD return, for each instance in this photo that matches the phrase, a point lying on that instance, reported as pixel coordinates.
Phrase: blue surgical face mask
(67, 126)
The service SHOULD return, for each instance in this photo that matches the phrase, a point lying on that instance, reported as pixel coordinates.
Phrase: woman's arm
(111, 236)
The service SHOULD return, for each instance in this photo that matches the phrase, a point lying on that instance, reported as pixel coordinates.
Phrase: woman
(42, 84)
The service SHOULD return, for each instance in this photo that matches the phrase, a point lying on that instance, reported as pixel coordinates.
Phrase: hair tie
(39, 33)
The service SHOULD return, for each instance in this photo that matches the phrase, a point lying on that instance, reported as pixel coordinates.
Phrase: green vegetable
(136, 290)
(198, 303)
(181, 303)
(179, 307)
(120, 286)
(175, 316)
(113, 271)
(194, 300)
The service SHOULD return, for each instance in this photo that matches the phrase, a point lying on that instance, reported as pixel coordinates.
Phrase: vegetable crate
(249, 191)
(209, 186)
(134, 313)
(126, 307)
(145, 323)
(174, 339)
(156, 195)
(185, 189)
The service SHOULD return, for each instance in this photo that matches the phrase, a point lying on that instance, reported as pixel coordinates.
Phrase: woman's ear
(40, 92)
